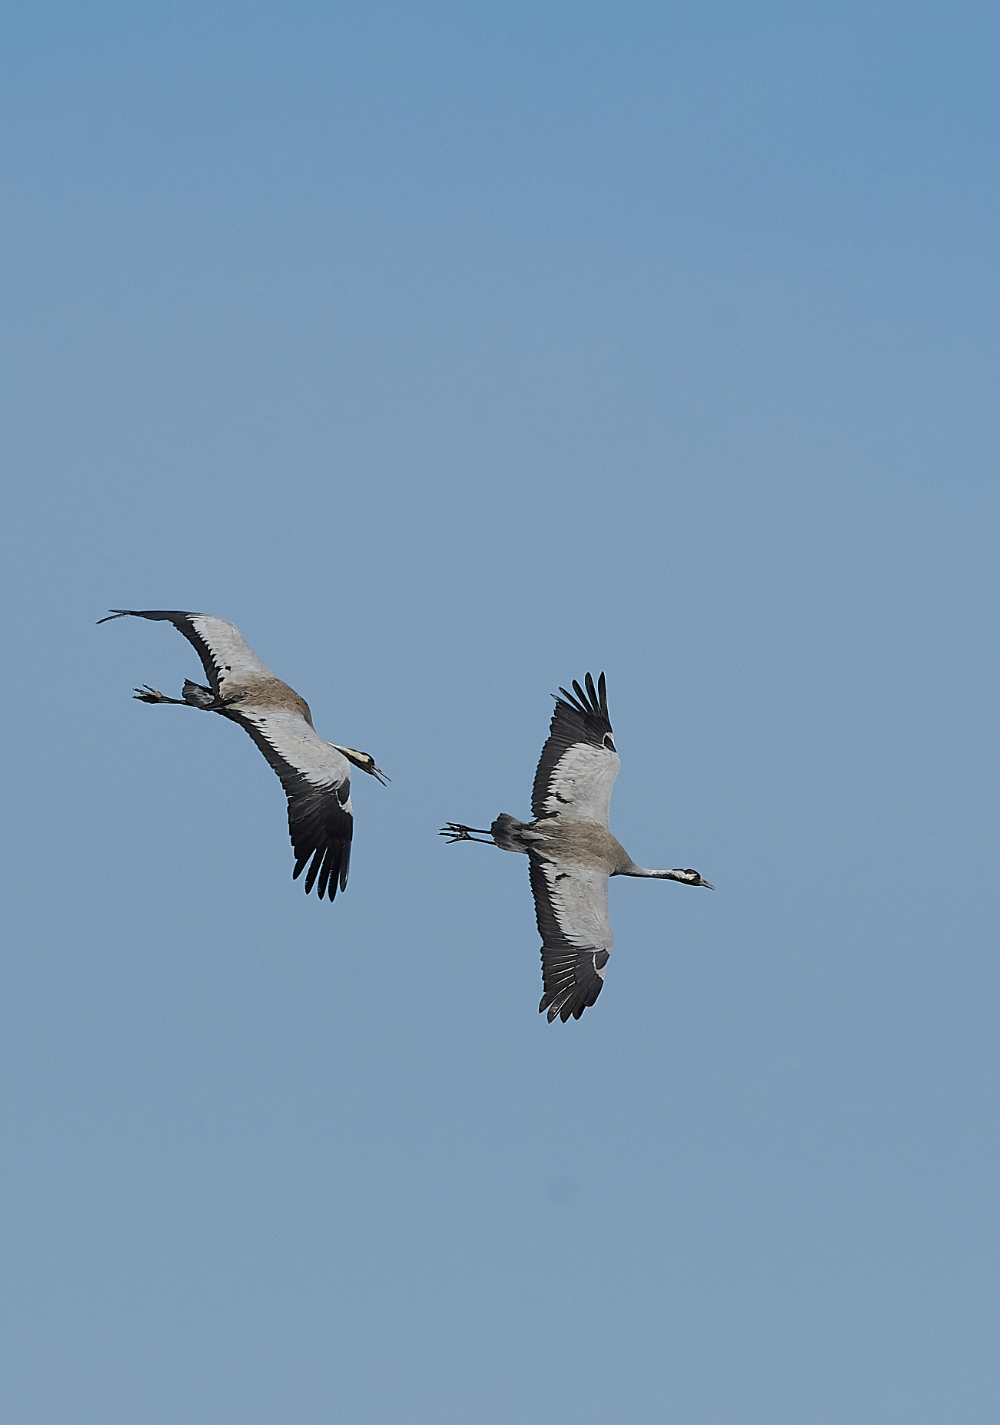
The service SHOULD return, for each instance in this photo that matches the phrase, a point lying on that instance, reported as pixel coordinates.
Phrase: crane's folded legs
(208, 703)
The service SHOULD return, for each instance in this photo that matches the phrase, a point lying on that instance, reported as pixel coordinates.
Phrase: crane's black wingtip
(556, 1009)
(591, 701)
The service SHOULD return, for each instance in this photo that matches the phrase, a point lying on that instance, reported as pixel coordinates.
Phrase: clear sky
(451, 351)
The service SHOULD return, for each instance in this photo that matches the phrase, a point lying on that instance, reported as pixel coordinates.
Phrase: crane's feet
(146, 694)
(455, 832)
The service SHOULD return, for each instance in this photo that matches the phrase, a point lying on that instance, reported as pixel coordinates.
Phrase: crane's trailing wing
(578, 766)
(224, 652)
(571, 907)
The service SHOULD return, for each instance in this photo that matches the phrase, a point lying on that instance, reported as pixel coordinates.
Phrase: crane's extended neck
(686, 877)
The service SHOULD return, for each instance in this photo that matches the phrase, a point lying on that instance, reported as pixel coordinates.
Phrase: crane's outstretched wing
(224, 652)
(578, 766)
(571, 907)
(317, 781)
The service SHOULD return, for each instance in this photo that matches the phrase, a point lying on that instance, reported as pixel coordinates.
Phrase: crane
(571, 852)
(316, 775)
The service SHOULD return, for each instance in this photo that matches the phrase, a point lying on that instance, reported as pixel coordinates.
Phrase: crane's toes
(146, 694)
(454, 831)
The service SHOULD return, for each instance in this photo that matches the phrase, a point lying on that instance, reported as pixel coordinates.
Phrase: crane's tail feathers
(198, 695)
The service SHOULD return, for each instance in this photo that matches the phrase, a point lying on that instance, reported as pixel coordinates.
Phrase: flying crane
(316, 775)
(571, 852)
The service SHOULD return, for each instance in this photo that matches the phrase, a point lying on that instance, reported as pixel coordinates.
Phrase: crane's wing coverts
(578, 766)
(224, 652)
(317, 781)
(571, 907)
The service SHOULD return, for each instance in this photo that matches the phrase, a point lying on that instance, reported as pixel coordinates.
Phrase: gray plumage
(316, 775)
(571, 851)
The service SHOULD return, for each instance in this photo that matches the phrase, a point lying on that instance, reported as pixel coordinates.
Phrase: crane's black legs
(456, 832)
(208, 703)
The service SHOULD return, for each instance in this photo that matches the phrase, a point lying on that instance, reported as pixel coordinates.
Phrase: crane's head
(691, 878)
(364, 760)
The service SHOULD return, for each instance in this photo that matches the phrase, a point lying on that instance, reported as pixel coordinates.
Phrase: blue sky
(452, 351)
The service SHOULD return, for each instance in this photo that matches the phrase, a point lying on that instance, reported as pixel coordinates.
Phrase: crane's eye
(609, 742)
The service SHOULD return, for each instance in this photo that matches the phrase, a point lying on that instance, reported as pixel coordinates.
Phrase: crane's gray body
(563, 838)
